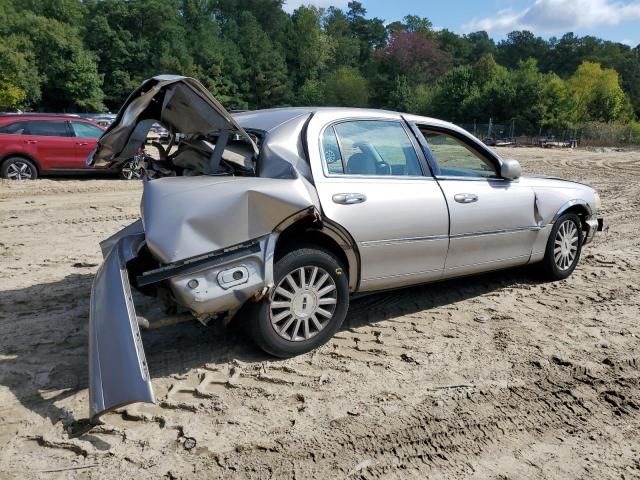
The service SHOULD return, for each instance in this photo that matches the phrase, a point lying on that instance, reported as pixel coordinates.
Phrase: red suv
(35, 144)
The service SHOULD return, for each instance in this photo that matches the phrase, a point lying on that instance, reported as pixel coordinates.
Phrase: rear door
(371, 180)
(86, 136)
(492, 219)
(52, 143)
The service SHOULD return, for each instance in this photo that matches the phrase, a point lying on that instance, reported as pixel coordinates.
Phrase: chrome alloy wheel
(19, 170)
(565, 247)
(132, 169)
(303, 303)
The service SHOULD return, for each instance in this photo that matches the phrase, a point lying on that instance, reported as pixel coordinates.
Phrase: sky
(616, 20)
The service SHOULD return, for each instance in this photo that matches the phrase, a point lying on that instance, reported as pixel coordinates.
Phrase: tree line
(87, 55)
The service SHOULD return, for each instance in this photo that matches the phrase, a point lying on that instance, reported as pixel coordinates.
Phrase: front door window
(455, 158)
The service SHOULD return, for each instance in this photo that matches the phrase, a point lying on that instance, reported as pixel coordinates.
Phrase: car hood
(181, 104)
(552, 193)
(555, 182)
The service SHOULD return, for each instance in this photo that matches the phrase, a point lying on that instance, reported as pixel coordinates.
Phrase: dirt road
(497, 376)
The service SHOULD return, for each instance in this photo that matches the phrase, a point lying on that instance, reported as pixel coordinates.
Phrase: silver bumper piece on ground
(118, 373)
(595, 224)
(209, 284)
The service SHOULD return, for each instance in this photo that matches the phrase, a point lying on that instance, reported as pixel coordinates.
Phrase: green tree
(402, 98)
(347, 88)
(598, 95)
(452, 94)
(264, 74)
(311, 93)
(345, 45)
(309, 48)
(19, 77)
(520, 46)
(70, 79)
(559, 102)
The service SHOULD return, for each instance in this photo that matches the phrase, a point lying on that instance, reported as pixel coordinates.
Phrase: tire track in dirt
(545, 386)
(440, 438)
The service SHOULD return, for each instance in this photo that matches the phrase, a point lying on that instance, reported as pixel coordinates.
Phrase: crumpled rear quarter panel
(189, 216)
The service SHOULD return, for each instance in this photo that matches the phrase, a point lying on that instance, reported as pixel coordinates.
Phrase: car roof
(39, 116)
(271, 118)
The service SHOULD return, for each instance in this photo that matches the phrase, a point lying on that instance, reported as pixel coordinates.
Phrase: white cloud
(291, 5)
(553, 16)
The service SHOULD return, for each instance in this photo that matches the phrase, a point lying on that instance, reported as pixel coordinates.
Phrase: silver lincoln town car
(282, 214)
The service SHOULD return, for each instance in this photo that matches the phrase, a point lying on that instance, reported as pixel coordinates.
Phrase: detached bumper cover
(118, 373)
(596, 224)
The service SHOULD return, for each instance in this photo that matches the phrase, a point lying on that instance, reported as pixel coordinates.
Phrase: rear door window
(47, 128)
(15, 128)
(369, 147)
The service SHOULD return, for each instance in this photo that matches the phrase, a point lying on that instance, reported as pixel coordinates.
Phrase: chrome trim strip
(195, 264)
(412, 274)
(350, 176)
(474, 179)
(533, 228)
(391, 241)
(491, 262)
(569, 204)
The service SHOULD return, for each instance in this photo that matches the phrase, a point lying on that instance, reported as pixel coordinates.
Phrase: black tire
(19, 168)
(260, 327)
(549, 267)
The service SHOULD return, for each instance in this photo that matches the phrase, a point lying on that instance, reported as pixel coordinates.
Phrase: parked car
(284, 214)
(32, 145)
(158, 133)
(104, 120)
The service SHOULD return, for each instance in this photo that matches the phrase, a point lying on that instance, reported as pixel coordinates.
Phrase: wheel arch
(26, 156)
(579, 207)
(310, 228)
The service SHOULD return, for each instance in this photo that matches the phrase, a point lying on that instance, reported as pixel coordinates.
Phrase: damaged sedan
(280, 216)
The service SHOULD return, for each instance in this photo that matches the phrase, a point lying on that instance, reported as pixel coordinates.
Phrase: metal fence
(591, 134)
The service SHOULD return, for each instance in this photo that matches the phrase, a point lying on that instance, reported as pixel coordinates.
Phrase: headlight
(598, 203)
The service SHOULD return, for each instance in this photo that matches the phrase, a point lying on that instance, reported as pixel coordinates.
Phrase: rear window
(15, 128)
(47, 128)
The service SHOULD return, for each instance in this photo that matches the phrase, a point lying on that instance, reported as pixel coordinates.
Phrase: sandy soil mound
(496, 376)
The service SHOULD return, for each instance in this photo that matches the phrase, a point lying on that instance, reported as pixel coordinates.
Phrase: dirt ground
(496, 376)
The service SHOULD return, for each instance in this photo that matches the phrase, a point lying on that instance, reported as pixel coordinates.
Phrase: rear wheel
(563, 248)
(307, 306)
(131, 170)
(18, 168)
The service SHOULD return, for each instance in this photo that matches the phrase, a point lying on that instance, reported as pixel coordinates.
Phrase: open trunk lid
(181, 104)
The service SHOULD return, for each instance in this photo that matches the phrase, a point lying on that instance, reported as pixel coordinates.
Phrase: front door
(86, 137)
(492, 219)
(371, 180)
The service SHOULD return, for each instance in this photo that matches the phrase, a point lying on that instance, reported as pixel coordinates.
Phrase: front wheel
(307, 306)
(563, 248)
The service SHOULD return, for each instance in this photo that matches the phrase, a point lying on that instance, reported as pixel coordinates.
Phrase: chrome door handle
(465, 198)
(30, 142)
(349, 198)
(83, 144)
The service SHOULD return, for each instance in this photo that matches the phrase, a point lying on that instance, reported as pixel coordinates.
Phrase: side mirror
(510, 169)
